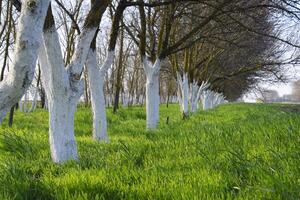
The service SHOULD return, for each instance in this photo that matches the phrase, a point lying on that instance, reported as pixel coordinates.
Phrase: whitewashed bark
(61, 110)
(34, 100)
(196, 93)
(24, 102)
(46, 104)
(96, 81)
(29, 36)
(183, 83)
(212, 99)
(63, 87)
(81, 51)
(206, 100)
(218, 99)
(152, 92)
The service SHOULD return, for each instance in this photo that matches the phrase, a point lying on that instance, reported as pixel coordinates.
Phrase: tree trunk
(196, 93)
(59, 101)
(86, 89)
(28, 42)
(184, 88)
(34, 101)
(206, 100)
(96, 82)
(152, 93)
(119, 73)
(11, 116)
(61, 131)
(194, 97)
(64, 86)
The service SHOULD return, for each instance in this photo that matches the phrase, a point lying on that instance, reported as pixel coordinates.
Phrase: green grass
(236, 151)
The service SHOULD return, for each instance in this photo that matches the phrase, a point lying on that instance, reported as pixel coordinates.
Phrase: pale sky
(282, 88)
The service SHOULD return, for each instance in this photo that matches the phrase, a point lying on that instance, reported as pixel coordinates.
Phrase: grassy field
(237, 151)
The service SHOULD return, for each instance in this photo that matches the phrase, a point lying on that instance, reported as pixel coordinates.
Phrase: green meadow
(235, 151)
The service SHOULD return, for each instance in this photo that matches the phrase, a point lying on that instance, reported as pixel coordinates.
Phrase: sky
(286, 88)
(287, 28)
(282, 88)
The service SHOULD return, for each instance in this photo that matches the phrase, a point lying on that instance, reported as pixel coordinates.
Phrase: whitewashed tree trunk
(63, 90)
(29, 36)
(96, 81)
(206, 100)
(64, 86)
(183, 83)
(194, 96)
(34, 100)
(218, 99)
(46, 103)
(196, 93)
(60, 104)
(212, 99)
(24, 102)
(61, 137)
(152, 92)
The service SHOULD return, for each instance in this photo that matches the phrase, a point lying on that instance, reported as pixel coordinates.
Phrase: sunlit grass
(236, 151)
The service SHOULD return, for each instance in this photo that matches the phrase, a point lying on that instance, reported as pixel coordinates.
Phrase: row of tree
(144, 51)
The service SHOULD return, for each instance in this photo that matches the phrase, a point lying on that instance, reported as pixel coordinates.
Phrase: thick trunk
(96, 82)
(61, 101)
(152, 101)
(28, 40)
(152, 93)
(64, 86)
(61, 131)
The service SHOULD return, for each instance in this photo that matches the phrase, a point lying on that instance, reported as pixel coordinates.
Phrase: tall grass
(237, 151)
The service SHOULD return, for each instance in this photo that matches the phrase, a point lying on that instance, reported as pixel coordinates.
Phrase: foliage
(237, 151)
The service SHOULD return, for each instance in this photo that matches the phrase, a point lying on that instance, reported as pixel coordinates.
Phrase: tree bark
(61, 111)
(183, 84)
(152, 92)
(96, 82)
(27, 44)
(64, 86)
(119, 74)
(196, 93)
(207, 100)
(11, 116)
(194, 100)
